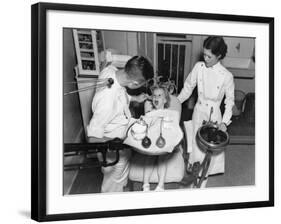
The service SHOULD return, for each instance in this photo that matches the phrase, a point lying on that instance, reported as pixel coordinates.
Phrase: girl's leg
(161, 171)
(147, 171)
(204, 183)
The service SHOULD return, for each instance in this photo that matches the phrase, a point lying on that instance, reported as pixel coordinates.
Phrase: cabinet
(239, 58)
(88, 45)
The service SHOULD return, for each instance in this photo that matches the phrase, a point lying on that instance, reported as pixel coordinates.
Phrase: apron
(116, 177)
(209, 86)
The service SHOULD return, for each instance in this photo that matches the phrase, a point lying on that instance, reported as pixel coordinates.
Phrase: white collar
(216, 66)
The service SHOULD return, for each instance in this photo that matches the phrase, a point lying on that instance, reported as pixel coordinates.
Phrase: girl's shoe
(146, 187)
(159, 188)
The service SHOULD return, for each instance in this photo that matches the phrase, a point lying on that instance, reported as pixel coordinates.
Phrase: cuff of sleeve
(129, 97)
(95, 132)
(180, 98)
(226, 122)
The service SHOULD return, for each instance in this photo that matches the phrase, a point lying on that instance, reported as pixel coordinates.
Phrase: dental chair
(176, 164)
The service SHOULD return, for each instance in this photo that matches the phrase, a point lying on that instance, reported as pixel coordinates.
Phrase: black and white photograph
(166, 112)
(140, 112)
(146, 112)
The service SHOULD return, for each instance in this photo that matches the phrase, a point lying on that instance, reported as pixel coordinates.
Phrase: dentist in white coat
(213, 82)
(111, 115)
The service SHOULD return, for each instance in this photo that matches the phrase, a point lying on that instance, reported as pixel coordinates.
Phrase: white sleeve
(102, 113)
(229, 100)
(189, 84)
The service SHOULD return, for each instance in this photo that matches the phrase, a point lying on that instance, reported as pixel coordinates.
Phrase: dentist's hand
(140, 98)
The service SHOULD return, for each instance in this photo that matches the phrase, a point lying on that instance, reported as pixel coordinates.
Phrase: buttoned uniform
(213, 83)
(111, 116)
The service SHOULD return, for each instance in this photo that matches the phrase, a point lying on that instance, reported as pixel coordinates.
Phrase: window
(173, 57)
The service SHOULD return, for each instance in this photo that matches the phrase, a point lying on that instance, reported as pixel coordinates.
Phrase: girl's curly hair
(157, 81)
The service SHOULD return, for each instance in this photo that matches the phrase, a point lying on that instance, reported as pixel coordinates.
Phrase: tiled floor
(239, 170)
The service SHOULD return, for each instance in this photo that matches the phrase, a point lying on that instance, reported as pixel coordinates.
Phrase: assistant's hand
(222, 127)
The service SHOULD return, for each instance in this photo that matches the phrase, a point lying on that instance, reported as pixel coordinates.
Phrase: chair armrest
(98, 140)
(73, 149)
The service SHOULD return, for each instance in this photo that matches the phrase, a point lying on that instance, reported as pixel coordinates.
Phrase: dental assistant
(213, 82)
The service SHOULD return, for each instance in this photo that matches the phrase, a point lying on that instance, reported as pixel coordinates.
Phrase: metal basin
(210, 138)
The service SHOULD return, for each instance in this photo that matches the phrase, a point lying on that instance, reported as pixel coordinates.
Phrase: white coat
(110, 107)
(213, 84)
(110, 119)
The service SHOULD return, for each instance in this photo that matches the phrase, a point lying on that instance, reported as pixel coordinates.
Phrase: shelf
(242, 73)
(85, 42)
(86, 50)
(86, 47)
(88, 58)
(84, 32)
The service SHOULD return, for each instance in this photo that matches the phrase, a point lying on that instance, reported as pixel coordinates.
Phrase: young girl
(213, 82)
(160, 100)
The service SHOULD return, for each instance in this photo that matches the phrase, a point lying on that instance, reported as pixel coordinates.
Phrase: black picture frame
(39, 109)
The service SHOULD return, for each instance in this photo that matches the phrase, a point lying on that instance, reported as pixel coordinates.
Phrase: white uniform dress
(213, 84)
(110, 119)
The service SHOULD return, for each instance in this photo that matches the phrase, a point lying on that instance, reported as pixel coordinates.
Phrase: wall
(246, 85)
(73, 128)
(72, 122)
(124, 42)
